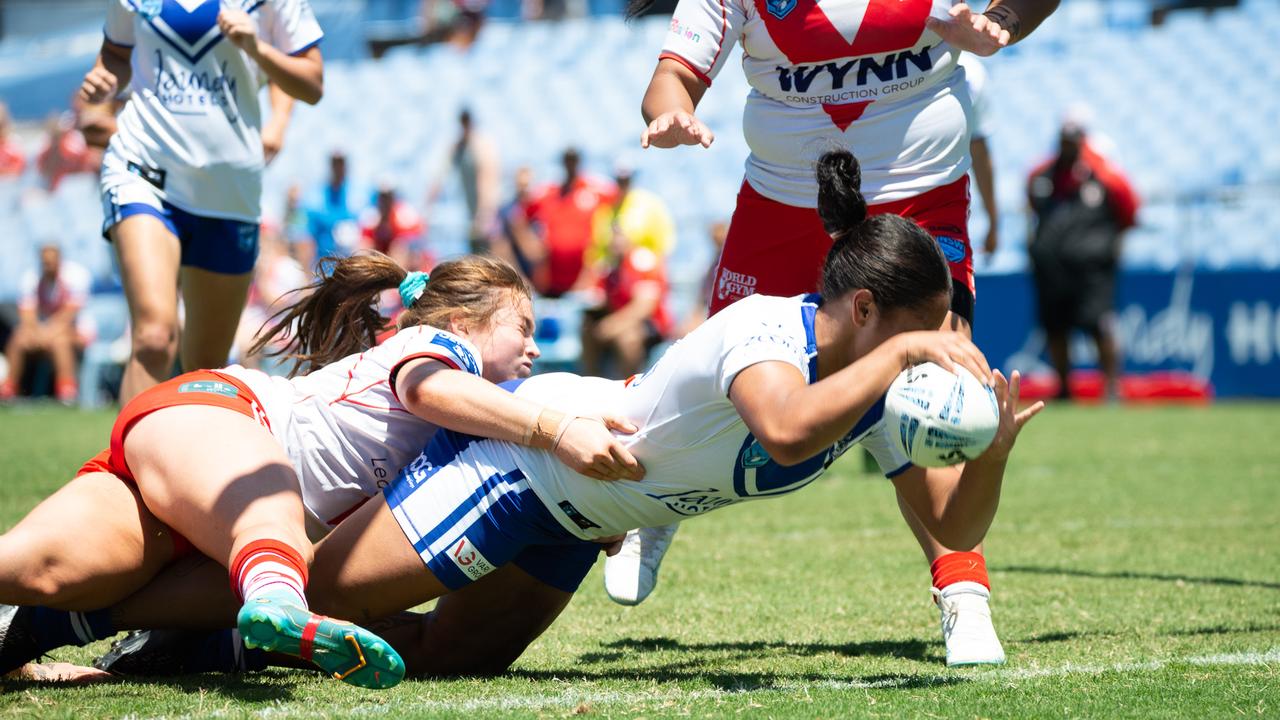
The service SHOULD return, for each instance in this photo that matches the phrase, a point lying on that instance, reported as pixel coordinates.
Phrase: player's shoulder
(427, 341)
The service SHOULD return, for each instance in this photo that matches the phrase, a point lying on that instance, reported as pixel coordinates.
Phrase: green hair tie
(412, 287)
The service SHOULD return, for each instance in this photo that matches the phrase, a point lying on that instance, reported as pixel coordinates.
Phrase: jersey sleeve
(702, 34)
(430, 343)
(977, 81)
(290, 26)
(751, 340)
(118, 28)
(889, 456)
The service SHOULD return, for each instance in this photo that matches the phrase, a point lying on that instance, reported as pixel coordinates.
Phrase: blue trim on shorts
(218, 245)
(509, 522)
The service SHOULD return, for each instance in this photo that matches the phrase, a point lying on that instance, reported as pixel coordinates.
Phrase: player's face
(881, 326)
(506, 344)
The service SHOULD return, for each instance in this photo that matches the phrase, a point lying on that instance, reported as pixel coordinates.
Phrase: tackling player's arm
(470, 404)
(957, 506)
(111, 71)
(273, 132)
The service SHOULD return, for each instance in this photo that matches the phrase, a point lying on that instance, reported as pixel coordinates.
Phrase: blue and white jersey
(697, 452)
(193, 121)
(343, 426)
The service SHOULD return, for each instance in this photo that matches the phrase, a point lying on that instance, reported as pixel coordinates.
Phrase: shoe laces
(950, 610)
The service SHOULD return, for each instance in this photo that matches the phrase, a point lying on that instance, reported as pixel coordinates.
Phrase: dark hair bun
(840, 202)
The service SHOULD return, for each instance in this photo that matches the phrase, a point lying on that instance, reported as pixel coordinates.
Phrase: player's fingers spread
(959, 9)
(1025, 416)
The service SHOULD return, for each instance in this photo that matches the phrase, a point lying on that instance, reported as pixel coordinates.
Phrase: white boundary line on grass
(569, 698)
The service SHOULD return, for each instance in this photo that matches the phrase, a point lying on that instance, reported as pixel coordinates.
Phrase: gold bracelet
(547, 429)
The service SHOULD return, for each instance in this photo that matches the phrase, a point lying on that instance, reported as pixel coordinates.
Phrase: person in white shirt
(876, 77)
(50, 322)
(182, 176)
(755, 403)
(249, 469)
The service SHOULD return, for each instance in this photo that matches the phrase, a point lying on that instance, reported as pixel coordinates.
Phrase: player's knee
(154, 344)
(34, 573)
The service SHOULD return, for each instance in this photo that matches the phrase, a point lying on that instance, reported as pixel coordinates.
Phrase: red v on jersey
(807, 35)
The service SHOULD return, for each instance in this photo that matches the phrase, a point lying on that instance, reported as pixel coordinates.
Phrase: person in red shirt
(1083, 204)
(565, 212)
(632, 317)
(65, 152)
(393, 228)
(12, 161)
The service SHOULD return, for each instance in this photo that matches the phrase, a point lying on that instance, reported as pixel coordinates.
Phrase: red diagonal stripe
(844, 115)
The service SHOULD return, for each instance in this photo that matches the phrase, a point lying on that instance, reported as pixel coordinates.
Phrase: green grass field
(1135, 564)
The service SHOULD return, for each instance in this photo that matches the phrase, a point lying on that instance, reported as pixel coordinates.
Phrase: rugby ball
(939, 418)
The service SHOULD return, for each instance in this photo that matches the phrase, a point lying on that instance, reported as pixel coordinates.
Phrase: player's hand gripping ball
(940, 418)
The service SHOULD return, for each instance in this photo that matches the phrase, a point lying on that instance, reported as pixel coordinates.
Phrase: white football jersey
(863, 75)
(976, 78)
(195, 114)
(343, 427)
(697, 452)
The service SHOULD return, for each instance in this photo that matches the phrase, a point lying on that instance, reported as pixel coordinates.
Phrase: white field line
(568, 699)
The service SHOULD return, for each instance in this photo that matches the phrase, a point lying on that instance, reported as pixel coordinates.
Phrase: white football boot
(631, 575)
(966, 625)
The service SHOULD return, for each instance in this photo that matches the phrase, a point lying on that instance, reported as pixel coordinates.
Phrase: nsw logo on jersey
(780, 8)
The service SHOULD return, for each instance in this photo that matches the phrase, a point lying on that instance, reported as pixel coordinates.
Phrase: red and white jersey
(344, 428)
(864, 75)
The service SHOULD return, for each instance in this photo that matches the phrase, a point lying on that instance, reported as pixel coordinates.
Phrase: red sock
(960, 567)
(265, 566)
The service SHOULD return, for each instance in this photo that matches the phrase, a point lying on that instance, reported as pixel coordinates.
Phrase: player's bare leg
(244, 509)
(150, 257)
(90, 544)
(213, 303)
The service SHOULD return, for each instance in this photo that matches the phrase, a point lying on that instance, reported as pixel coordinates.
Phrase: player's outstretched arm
(956, 506)
(469, 404)
(673, 94)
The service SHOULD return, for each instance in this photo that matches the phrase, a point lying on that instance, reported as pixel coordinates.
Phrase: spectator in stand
(65, 151)
(517, 238)
(566, 213)
(632, 318)
(1082, 204)
(641, 215)
(331, 215)
(50, 324)
(475, 159)
(394, 228)
(12, 161)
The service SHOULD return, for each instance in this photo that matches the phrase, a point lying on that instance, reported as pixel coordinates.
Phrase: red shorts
(202, 387)
(779, 249)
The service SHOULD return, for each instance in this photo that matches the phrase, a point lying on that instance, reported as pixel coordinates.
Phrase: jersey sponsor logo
(685, 31)
(857, 74)
(780, 8)
(735, 284)
(694, 502)
(209, 386)
(953, 249)
(466, 556)
(459, 351)
(577, 517)
(181, 89)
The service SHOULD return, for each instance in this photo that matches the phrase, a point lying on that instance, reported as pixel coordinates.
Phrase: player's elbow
(786, 447)
(312, 93)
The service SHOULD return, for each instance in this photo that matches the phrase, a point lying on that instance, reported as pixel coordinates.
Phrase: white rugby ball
(938, 417)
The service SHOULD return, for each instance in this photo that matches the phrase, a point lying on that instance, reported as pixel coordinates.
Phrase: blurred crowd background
(512, 127)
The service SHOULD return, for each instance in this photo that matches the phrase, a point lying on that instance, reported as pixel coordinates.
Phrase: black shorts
(1075, 298)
